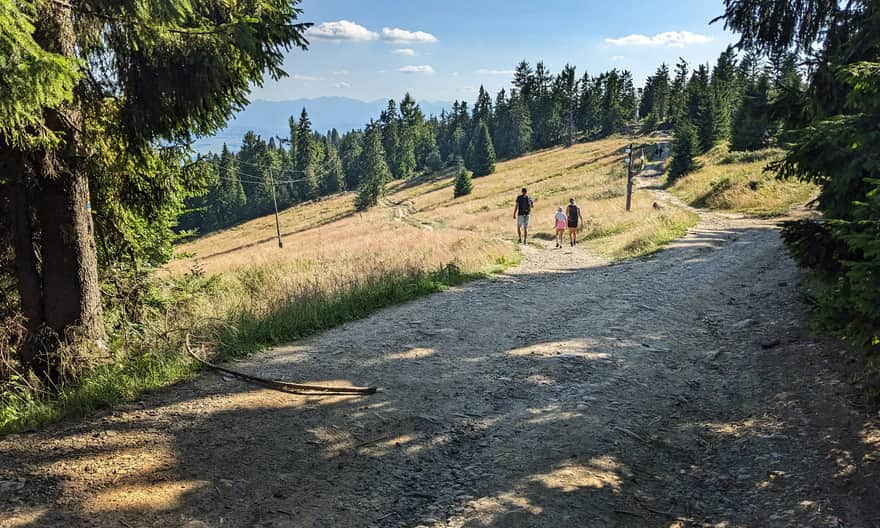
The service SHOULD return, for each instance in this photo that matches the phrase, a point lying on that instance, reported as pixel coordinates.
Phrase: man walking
(521, 212)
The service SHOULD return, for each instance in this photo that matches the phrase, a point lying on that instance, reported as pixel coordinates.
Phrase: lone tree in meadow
(464, 185)
(375, 169)
(93, 96)
(482, 152)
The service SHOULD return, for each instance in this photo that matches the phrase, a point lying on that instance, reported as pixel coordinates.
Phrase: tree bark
(70, 289)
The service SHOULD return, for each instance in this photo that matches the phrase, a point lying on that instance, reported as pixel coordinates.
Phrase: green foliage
(482, 152)
(752, 125)
(701, 110)
(434, 161)
(307, 158)
(464, 185)
(332, 175)
(31, 78)
(375, 170)
(685, 148)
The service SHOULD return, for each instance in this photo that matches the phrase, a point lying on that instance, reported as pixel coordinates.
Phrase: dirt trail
(681, 390)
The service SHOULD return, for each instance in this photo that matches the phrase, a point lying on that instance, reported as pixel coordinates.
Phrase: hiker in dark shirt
(574, 220)
(521, 212)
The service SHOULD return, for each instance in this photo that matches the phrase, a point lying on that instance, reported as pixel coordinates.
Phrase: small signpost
(629, 176)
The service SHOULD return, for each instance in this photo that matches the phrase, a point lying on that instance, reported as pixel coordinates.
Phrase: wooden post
(277, 222)
(629, 178)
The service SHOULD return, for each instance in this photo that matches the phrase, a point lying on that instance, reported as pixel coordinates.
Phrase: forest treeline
(100, 102)
(706, 106)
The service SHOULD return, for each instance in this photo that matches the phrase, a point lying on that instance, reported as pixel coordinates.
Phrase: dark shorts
(572, 225)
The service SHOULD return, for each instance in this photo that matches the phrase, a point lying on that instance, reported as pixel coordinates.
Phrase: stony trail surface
(677, 390)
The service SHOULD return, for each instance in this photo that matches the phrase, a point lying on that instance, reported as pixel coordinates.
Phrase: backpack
(524, 205)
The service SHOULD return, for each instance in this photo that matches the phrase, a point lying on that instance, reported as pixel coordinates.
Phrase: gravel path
(680, 390)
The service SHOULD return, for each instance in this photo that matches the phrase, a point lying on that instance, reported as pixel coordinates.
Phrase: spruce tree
(482, 151)
(568, 88)
(678, 93)
(88, 91)
(685, 147)
(350, 150)
(306, 154)
(725, 93)
(233, 199)
(375, 169)
(463, 182)
(701, 110)
(752, 126)
(332, 175)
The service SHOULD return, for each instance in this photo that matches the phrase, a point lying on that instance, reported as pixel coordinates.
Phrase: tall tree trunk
(27, 273)
(71, 294)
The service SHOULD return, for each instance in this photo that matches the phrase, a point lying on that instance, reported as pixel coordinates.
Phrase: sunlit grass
(738, 182)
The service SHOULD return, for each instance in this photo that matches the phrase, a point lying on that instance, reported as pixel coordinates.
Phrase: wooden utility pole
(277, 222)
(629, 177)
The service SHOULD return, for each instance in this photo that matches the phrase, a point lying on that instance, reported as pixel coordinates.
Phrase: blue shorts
(522, 221)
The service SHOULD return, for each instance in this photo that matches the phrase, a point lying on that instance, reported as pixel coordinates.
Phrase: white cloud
(405, 51)
(423, 69)
(495, 72)
(468, 89)
(298, 77)
(618, 58)
(670, 39)
(341, 30)
(401, 35)
(341, 84)
(341, 72)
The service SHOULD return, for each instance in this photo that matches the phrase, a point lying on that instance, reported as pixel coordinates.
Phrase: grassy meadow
(737, 182)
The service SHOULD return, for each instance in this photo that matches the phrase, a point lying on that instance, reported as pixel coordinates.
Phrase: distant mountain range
(269, 118)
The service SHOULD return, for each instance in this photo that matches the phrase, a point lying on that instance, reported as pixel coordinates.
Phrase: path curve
(679, 390)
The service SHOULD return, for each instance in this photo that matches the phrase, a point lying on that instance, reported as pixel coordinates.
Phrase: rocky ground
(677, 390)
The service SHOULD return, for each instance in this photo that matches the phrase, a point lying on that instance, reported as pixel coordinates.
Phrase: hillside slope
(419, 223)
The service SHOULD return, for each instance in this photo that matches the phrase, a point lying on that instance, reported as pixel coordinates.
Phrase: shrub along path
(680, 390)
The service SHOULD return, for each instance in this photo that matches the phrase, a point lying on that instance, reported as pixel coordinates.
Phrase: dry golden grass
(738, 182)
(419, 225)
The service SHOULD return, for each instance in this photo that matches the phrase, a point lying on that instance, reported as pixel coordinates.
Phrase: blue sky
(445, 50)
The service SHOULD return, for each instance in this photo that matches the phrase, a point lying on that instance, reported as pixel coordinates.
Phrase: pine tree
(752, 127)
(87, 94)
(520, 138)
(685, 147)
(678, 92)
(350, 150)
(463, 182)
(332, 175)
(482, 151)
(389, 122)
(232, 196)
(588, 106)
(725, 93)
(375, 169)
(568, 87)
(306, 154)
(700, 107)
(482, 108)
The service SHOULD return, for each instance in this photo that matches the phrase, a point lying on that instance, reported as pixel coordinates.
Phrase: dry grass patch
(738, 182)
